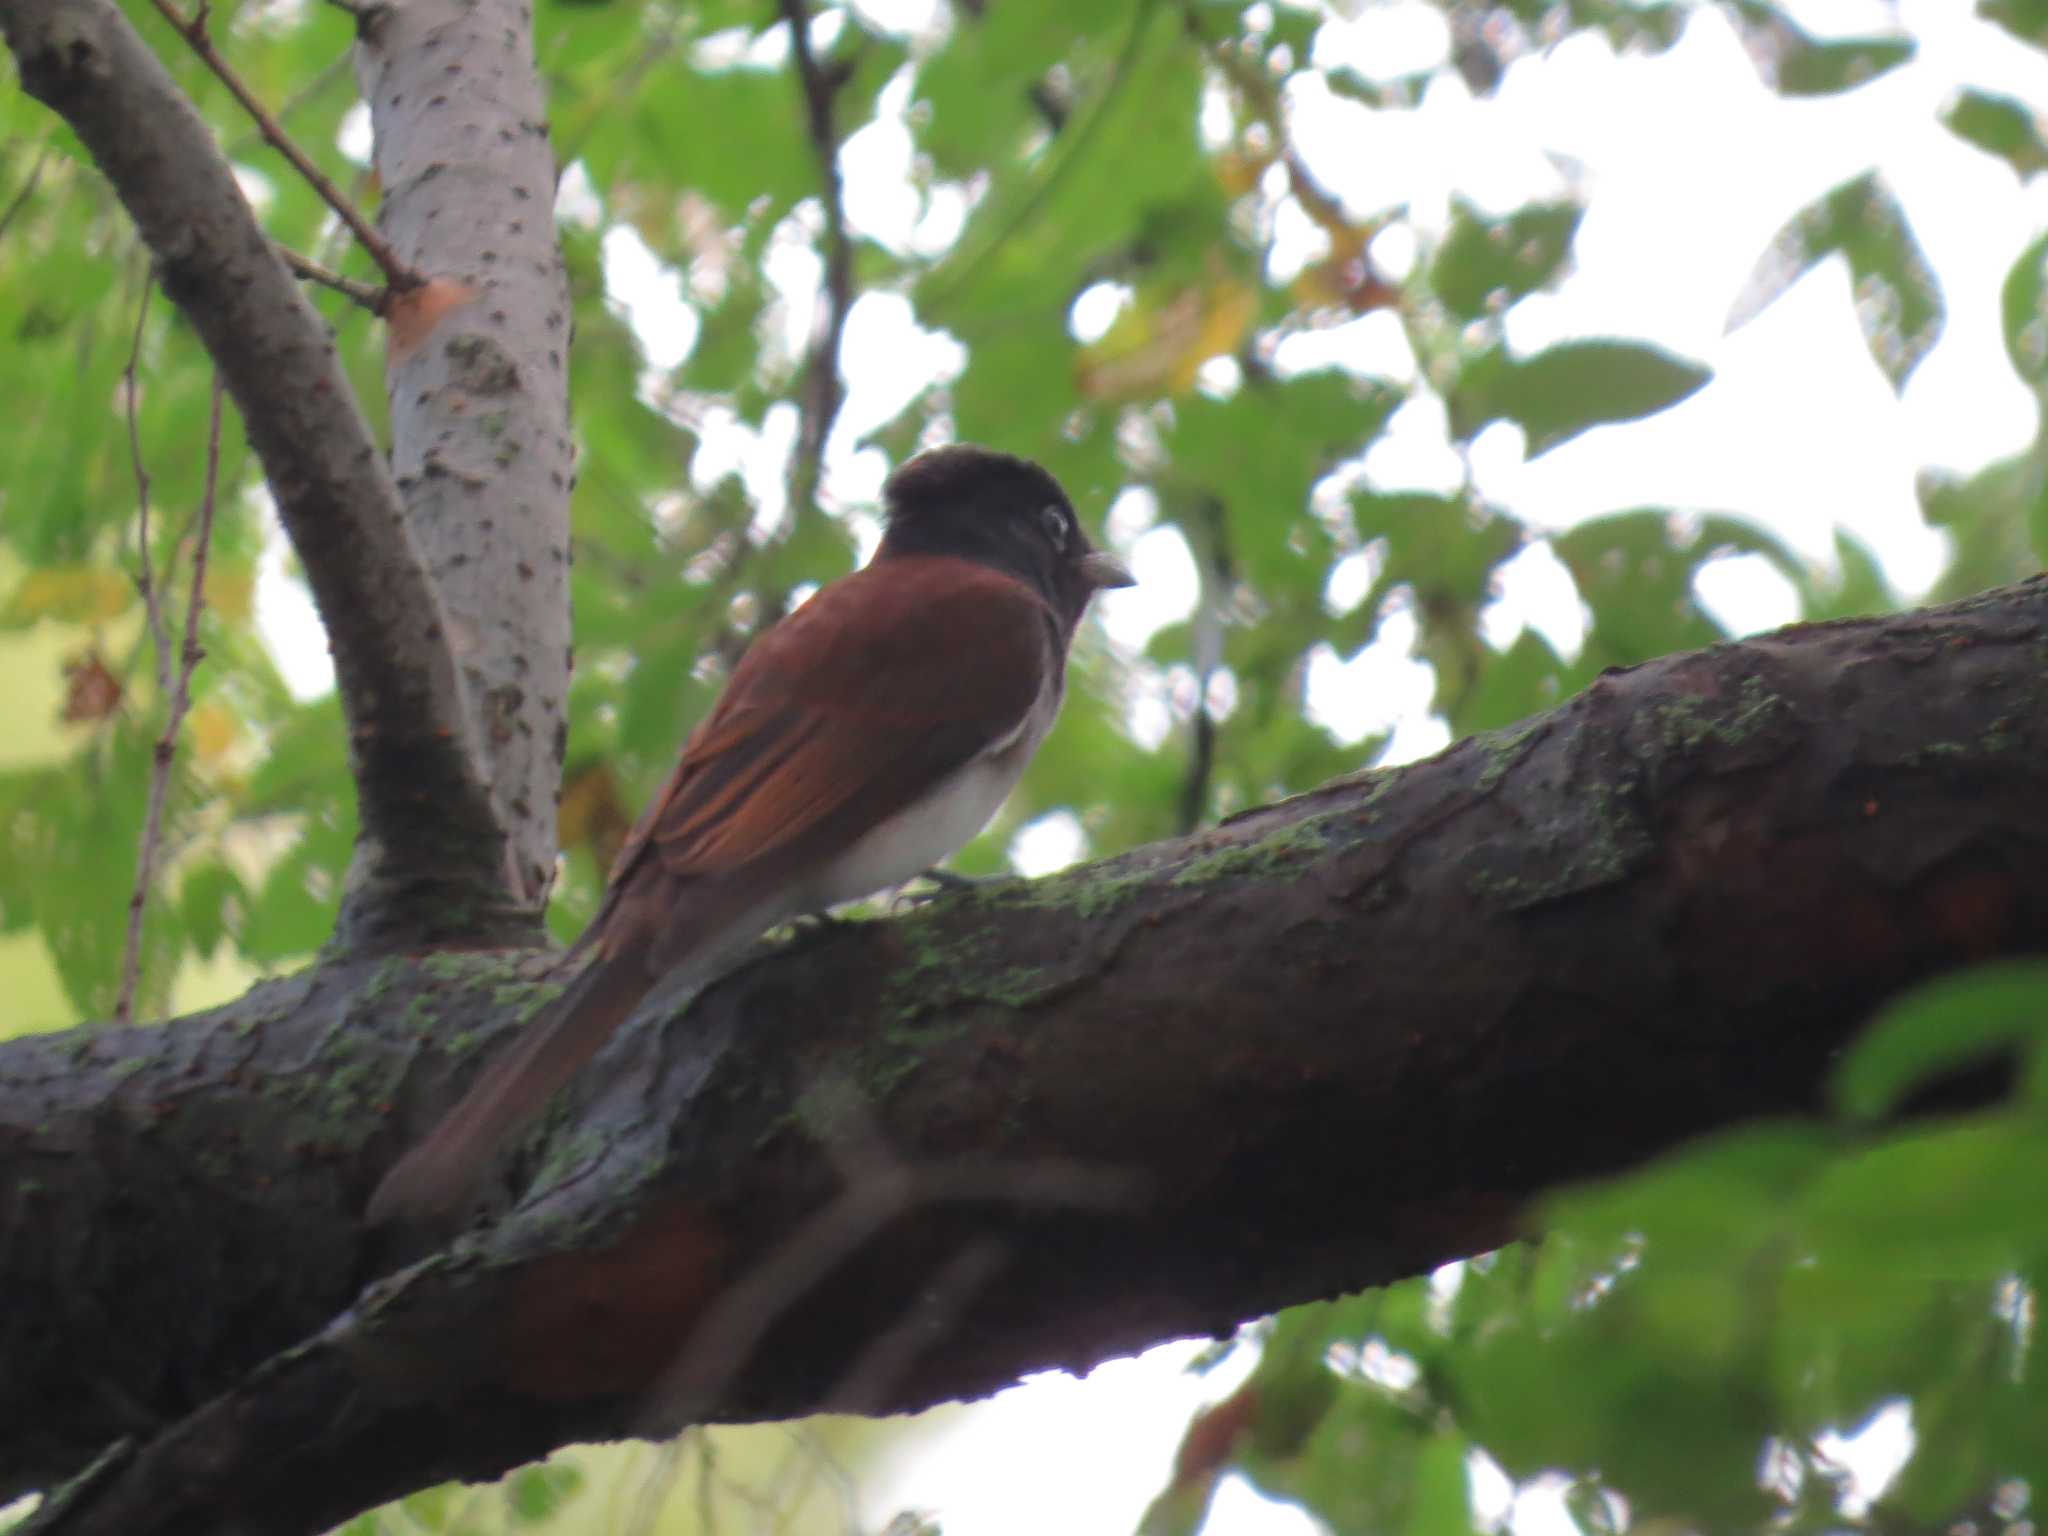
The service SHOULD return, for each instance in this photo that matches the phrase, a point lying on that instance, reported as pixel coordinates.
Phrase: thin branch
(368, 295)
(822, 388)
(1207, 628)
(340, 68)
(145, 576)
(20, 199)
(411, 736)
(193, 29)
(180, 698)
(1259, 92)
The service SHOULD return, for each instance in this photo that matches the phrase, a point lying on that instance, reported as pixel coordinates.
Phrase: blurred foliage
(1699, 1345)
(1680, 1342)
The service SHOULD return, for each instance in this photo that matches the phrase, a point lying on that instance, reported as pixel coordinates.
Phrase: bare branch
(823, 389)
(1206, 628)
(397, 274)
(178, 692)
(145, 576)
(430, 830)
(373, 299)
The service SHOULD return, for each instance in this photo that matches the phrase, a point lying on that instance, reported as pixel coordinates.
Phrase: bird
(860, 741)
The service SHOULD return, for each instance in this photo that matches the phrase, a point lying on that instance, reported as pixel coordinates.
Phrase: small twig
(1207, 631)
(823, 390)
(342, 67)
(189, 656)
(20, 199)
(1257, 88)
(369, 295)
(193, 29)
(145, 574)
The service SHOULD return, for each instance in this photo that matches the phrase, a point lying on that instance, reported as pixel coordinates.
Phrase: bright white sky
(1689, 165)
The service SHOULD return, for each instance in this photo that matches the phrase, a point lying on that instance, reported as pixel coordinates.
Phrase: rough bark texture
(433, 854)
(480, 406)
(1334, 1042)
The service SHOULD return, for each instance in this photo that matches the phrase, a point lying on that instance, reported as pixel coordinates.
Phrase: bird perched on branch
(860, 741)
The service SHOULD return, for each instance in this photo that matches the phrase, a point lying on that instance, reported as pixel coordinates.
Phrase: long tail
(424, 1187)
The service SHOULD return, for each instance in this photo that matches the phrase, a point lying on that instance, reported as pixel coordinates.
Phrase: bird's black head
(1002, 511)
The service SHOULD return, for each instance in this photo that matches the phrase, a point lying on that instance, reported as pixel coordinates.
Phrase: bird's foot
(944, 882)
(820, 921)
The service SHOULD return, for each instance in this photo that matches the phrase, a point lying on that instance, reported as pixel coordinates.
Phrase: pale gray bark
(480, 410)
(432, 845)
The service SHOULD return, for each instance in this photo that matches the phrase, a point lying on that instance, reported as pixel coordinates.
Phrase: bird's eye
(1055, 521)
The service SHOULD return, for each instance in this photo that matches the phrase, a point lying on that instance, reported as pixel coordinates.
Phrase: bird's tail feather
(424, 1187)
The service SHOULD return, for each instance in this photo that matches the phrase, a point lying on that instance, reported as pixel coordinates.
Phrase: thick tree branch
(1334, 1042)
(479, 400)
(431, 844)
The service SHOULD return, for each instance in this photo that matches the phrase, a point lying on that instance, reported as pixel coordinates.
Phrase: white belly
(927, 833)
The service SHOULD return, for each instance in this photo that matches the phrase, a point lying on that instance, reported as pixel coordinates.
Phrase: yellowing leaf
(76, 594)
(1238, 170)
(231, 589)
(1227, 316)
(1157, 347)
(215, 731)
(592, 813)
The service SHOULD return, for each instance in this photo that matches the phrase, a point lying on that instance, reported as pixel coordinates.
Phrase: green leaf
(2026, 20)
(1258, 454)
(2023, 307)
(1993, 518)
(1695, 1207)
(728, 346)
(1794, 64)
(1483, 264)
(740, 140)
(211, 899)
(293, 914)
(1359, 1470)
(1859, 590)
(1941, 1026)
(1640, 26)
(534, 1495)
(1524, 680)
(1441, 1501)
(1637, 579)
(306, 761)
(432, 1508)
(1998, 125)
(1569, 388)
(1899, 305)
(1443, 548)
(985, 92)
